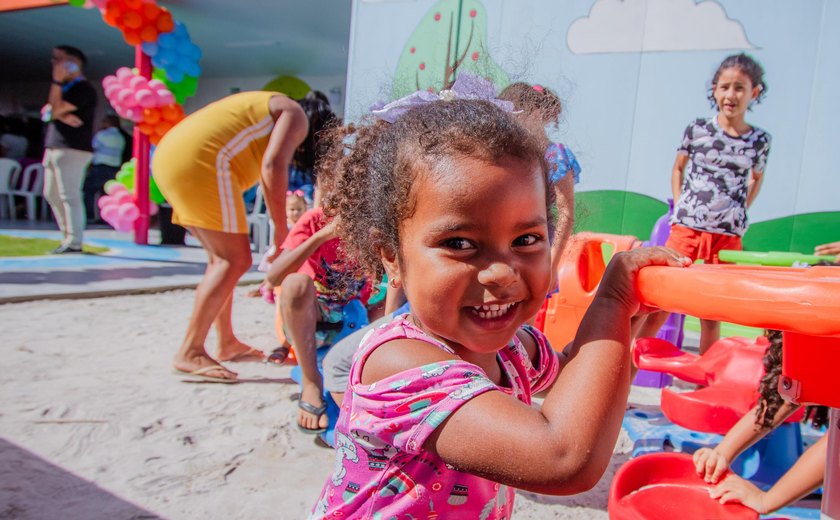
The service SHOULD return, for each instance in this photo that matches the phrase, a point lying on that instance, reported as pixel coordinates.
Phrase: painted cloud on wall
(655, 26)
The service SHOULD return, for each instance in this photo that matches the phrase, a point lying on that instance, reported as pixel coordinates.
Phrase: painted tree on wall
(451, 37)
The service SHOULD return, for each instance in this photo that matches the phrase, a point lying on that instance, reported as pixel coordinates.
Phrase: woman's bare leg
(229, 258)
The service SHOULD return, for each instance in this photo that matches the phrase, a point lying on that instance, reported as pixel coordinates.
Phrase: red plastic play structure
(581, 268)
(666, 486)
(729, 373)
(804, 303)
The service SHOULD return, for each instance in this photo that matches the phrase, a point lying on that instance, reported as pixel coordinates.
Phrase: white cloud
(655, 26)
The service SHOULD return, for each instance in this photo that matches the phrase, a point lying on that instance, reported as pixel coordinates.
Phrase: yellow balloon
(293, 87)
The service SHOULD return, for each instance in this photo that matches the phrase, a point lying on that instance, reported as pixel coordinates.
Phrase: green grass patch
(726, 329)
(20, 246)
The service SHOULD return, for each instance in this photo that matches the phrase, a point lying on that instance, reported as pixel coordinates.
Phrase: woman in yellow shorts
(203, 166)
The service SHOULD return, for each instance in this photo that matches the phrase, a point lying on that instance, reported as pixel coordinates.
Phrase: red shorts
(701, 244)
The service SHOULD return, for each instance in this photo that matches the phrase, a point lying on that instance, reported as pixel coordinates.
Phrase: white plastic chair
(9, 169)
(258, 223)
(30, 187)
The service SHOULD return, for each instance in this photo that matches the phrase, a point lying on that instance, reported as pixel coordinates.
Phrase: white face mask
(71, 67)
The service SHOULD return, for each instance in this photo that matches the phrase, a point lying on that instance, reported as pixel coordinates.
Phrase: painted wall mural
(450, 37)
(633, 74)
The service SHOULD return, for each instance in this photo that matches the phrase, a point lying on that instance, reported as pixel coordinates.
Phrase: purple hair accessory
(466, 86)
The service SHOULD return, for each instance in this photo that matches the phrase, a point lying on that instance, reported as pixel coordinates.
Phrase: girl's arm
(290, 128)
(565, 446)
(290, 260)
(677, 175)
(753, 186)
(712, 463)
(803, 477)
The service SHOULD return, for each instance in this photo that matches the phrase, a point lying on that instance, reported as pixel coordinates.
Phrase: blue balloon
(191, 68)
(180, 29)
(175, 75)
(193, 51)
(151, 49)
(168, 40)
(166, 58)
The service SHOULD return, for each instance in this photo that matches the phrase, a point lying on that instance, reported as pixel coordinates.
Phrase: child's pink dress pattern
(381, 469)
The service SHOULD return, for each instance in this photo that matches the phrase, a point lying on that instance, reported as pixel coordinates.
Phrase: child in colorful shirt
(717, 175)
(450, 196)
(314, 288)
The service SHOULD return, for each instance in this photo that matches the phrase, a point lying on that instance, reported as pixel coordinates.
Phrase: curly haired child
(450, 196)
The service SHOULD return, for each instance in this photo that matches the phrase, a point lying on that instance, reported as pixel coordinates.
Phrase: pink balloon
(133, 114)
(128, 212)
(124, 226)
(115, 189)
(124, 73)
(153, 208)
(137, 82)
(106, 200)
(157, 85)
(111, 91)
(109, 214)
(123, 198)
(109, 80)
(147, 98)
(124, 95)
(166, 98)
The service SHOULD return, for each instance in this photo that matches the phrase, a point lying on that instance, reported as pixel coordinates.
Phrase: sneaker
(62, 249)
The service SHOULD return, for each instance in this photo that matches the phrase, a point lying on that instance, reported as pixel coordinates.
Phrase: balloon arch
(150, 95)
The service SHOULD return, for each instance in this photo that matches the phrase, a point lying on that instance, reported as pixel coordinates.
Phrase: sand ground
(94, 425)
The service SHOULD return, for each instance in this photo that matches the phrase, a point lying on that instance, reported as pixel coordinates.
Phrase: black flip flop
(316, 411)
(278, 356)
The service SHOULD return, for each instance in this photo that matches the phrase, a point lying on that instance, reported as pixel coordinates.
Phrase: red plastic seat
(730, 372)
(664, 486)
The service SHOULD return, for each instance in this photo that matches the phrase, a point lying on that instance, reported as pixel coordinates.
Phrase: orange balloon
(148, 34)
(132, 20)
(151, 116)
(131, 37)
(162, 127)
(114, 11)
(133, 5)
(165, 23)
(109, 19)
(146, 128)
(150, 12)
(172, 112)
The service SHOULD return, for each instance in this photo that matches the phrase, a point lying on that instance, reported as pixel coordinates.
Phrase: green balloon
(107, 186)
(77, 3)
(181, 90)
(154, 192)
(126, 179)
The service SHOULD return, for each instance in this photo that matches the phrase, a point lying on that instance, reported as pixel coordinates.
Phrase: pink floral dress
(381, 469)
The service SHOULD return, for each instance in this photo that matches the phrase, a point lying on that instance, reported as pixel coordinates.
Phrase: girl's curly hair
(534, 99)
(769, 400)
(368, 174)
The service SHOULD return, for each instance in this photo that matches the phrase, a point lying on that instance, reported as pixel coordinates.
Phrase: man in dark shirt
(69, 117)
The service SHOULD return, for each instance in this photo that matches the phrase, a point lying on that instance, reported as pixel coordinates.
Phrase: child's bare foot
(235, 350)
(312, 416)
(203, 367)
